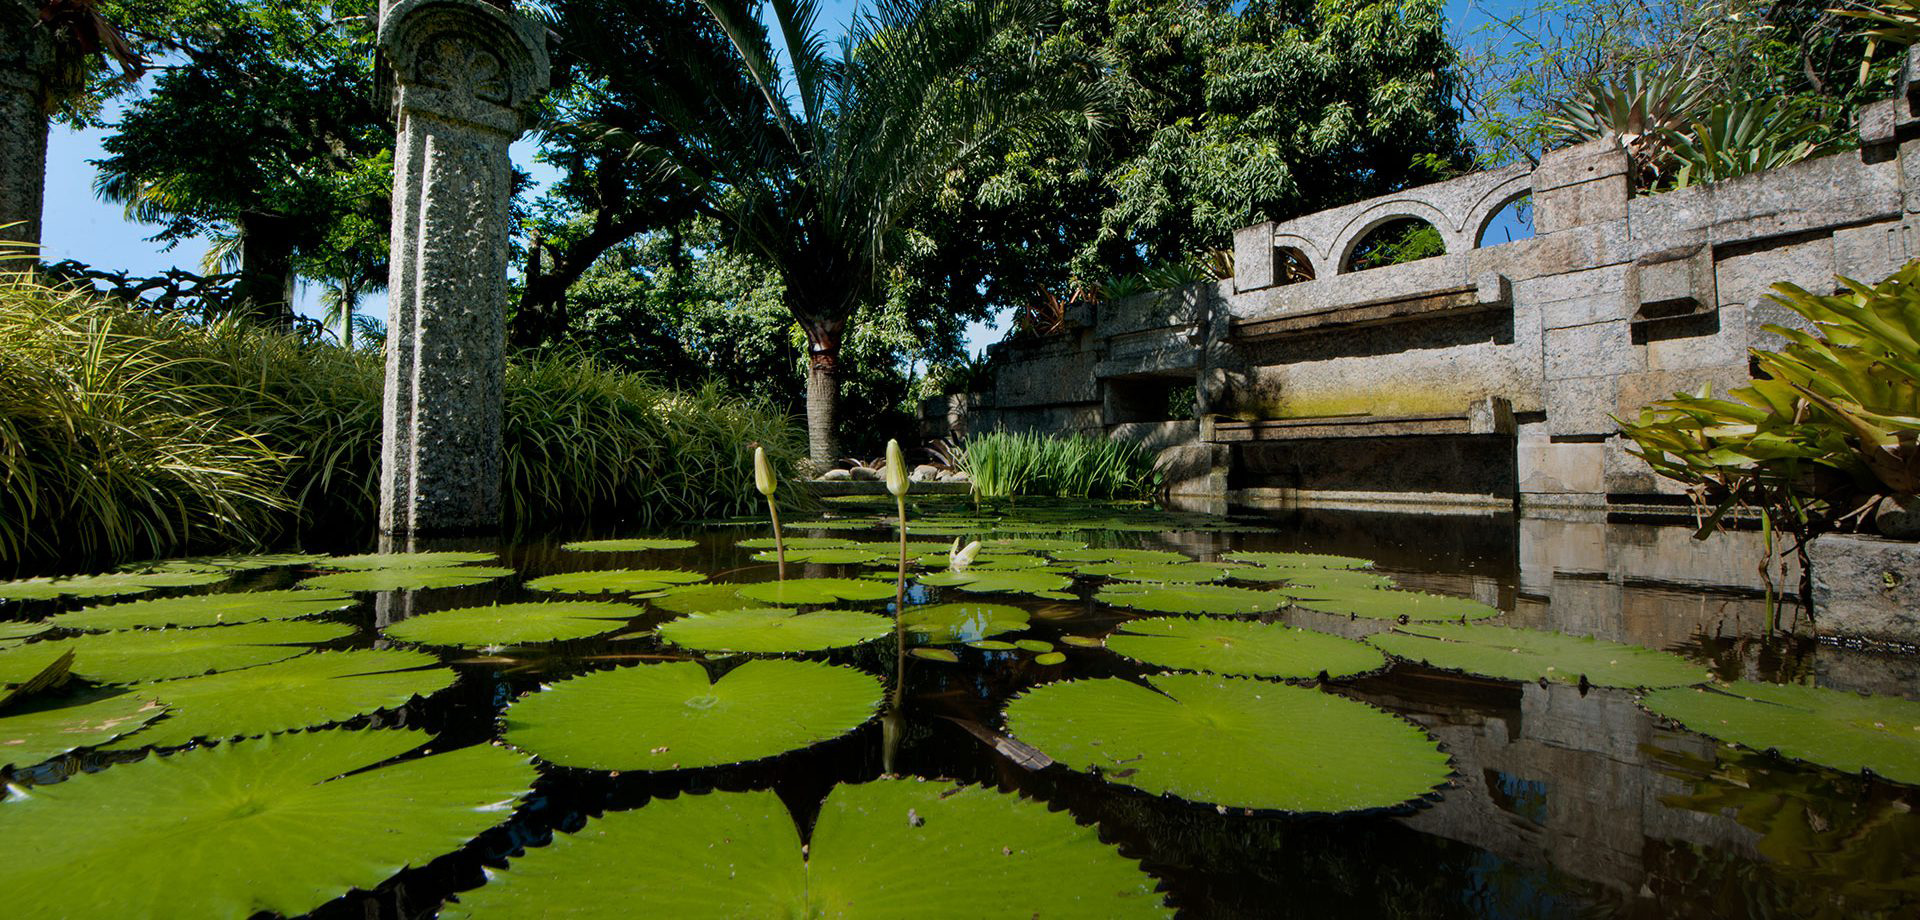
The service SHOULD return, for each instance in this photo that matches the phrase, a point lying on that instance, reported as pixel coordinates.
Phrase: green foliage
(129, 655)
(1527, 654)
(1242, 648)
(46, 727)
(205, 610)
(1833, 728)
(514, 624)
(1003, 465)
(1408, 240)
(1739, 138)
(774, 631)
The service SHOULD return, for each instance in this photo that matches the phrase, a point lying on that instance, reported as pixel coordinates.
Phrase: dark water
(1564, 803)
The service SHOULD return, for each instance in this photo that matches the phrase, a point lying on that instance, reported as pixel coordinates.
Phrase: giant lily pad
(888, 848)
(415, 579)
(1161, 572)
(704, 598)
(161, 654)
(615, 581)
(1232, 741)
(16, 631)
(772, 631)
(815, 591)
(1299, 560)
(303, 692)
(795, 543)
(206, 610)
(1384, 604)
(106, 585)
(1528, 654)
(1833, 728)
(940, 624)
(1214, 599)
(672, 717)
(1033, 545)
(514, 624)
(832, 555)
(628, 545)
(44, 727)
(370, 561)
(1112, 554)
(251, 563)
(280, 825)
(1242, 647)
(999, 581)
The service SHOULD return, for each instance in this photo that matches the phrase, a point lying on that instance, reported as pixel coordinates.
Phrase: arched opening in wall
(1510, 223)
(1402, 239)
(1291, 266)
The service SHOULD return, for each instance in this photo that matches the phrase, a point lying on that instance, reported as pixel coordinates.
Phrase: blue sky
(81, 226)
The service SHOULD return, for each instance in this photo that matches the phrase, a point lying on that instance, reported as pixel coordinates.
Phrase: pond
(1117, 711)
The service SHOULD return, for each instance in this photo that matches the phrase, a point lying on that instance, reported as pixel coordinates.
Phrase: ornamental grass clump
(1003, 465)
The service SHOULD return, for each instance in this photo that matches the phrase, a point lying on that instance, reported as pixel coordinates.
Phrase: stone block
(1592, 246)
(1677, 218)
(1596, 348)
(1561, 209)
(1870, 253)
(1597, 308)
(1725, 348)
(1593, 160)
(1254, 257)
(1547, 468)
(1807, 196)
(1749, 276)
(1582, 405)
(1673, 282)
(1877, 122)
(1866, 587)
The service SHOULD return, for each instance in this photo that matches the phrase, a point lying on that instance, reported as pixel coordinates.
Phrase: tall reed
(1004, 465)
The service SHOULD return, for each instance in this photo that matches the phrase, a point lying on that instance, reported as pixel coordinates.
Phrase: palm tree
(812, 164)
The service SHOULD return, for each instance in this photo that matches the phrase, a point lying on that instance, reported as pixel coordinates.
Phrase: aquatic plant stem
(779, 542)
(899, 606)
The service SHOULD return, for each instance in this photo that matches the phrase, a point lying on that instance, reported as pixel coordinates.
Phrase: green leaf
(1384, 604)
(14, 632)
(833, 555)
(940, 624)
(163, 654)
(671, 717)
(1232, 741)
(1832, 728)
(514, 624)
(772, 631)
(1244, 648)
(941, 655)
(1299, 560)
(106, 585)
(279, 825)
(44, 727)
(1033, 645)
(1214, 599)
(628, 545)
(999, 581)
(1050, 658)
(303, 692)
(615, 581)
(816, 591)
(368, 561)
(1110, 554)
(1032, 545)
(1527, 654)
(698, 598)
(251, 563)
(1162, 573)
(796, 543)
(887, 848)
(206, 610)
(420, 579)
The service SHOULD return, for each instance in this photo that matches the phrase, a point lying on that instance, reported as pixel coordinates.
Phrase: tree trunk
(823, 398)
(266, 269)
(349, 298)
(23, 134)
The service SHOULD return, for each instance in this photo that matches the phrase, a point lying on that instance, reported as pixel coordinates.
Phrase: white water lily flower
(959, 561)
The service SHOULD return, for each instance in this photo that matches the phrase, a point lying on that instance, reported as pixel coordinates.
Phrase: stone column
(26, 54)
(464, 72)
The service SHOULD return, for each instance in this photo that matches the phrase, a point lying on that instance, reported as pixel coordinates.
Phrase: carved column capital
(465, 61)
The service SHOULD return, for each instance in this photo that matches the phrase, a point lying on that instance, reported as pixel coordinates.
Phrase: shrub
(1002, 465)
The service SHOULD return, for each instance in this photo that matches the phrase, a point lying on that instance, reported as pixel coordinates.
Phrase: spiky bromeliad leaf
(415, 579)
(999, 581)
(615, 581)
(281, 825)
(1232, 741)
(1831, 728)
(1527, 654)
(672, 717)
(887, 848)
(41, 728)
(1242, 647)
(163, 654)
(940, 624)
(106, 585)
(304, 692)
(774, 631)
(370, 561)
(206, 609)
(1214, 599)
(1388, 604)
(628, 545)
(514, 624)
(815, 591)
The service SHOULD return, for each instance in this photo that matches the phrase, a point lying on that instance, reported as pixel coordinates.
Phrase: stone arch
(1363, 225)
(1287, 246)
(1357, 245)
(1495, 201)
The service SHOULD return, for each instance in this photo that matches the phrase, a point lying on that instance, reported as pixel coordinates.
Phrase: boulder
(835, 476)
(865, 474)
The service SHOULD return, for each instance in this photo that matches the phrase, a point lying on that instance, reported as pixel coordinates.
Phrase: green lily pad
(1083, 642)
(816, 591)
(206, 610)
(43, 728)
(1243, 648)
(109, 584)
(1308, 582)
(628, 545)
(303, 692)
(615, 581)
(1383, 604)
(420, 579)
(163, 654)
(944, 656)
(796, 543)
(940, 624)
(774, 631)
(1214, 599)
(252, 563)
(368, 561)
(1033, 645)
(832, 555)
(514, 624)
(1528, 654)
(704, 598)
(1000, 562)
(993, 581)
(1112, 554)
(280, 825)
(992, 645)
(1032, 545)
(1299, 560)
(1232, 741)
(1050, 658)
(672, 717)
(888, 848)
(16, 631)
(1163, 573)
(1832, 728)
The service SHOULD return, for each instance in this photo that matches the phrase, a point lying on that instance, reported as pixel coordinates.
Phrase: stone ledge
(1866, 588)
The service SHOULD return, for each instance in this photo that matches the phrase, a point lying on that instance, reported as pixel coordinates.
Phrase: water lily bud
(959, 561)
(763, 478)
(955, 551)
(896, 469)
